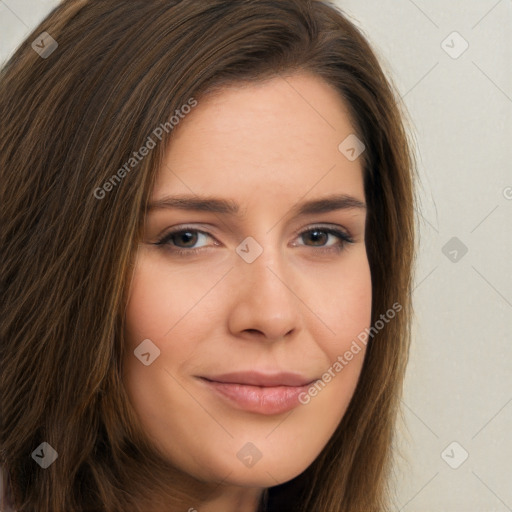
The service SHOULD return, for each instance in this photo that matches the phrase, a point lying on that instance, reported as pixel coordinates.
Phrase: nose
(265, 304)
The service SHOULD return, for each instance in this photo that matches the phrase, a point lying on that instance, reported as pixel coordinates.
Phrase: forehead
(266, 141)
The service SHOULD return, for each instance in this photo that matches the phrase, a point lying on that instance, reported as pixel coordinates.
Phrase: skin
(266, 146)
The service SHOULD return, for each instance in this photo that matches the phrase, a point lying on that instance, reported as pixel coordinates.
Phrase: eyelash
(164, 242)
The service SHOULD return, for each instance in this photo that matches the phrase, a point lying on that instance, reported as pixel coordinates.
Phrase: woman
(258, 368)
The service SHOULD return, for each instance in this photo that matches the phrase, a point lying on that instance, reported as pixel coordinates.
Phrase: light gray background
(459, 381)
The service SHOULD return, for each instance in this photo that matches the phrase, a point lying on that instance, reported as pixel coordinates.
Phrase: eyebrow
(232, 208)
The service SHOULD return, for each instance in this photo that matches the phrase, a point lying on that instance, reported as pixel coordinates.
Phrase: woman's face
(250, 284)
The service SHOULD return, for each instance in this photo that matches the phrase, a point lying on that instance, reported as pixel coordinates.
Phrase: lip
(254, 378)
(260, 393)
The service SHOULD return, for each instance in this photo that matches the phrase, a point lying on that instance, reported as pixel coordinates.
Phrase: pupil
(315, 234)
(185, 235)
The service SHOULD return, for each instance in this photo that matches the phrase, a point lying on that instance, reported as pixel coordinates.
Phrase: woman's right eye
(185, 236)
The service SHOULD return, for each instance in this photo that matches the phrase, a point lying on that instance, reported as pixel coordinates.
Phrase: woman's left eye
(323, 233)
(190, 237)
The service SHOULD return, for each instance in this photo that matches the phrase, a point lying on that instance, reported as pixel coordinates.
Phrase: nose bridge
(267, 272)
(264, 300)
(263, 261)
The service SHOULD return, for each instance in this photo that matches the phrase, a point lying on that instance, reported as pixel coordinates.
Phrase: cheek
(345, 307)
(344, 304)
(159, 302)
(148, 299)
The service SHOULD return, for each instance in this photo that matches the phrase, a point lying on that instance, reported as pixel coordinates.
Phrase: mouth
(260, 393)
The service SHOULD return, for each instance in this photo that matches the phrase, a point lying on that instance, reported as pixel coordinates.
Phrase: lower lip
(261, 400)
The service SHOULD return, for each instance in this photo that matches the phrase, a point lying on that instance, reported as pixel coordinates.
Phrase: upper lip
(253, 378)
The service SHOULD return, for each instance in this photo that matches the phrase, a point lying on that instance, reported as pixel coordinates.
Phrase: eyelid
(332, 228)
(178, 229)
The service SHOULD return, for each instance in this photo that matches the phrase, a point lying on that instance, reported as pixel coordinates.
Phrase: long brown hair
(70, 120)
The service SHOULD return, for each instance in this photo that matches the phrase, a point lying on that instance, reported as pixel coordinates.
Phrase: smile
(259, 393)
